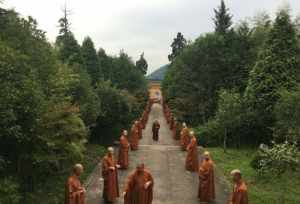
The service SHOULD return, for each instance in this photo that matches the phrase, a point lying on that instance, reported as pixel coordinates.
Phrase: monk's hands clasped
(147, 184)
(112, 168)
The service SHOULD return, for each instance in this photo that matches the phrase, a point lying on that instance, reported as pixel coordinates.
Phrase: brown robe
(184, 138)
(134, 138)
(73, 191)
(191, 163)
(111, 185)
(123, 160)
(206, 191)
(155, 131)
(239, 194)
(135, 191)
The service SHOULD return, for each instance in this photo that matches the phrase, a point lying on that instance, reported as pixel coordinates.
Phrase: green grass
(261, 190)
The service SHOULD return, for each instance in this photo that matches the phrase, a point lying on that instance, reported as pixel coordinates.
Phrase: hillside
(159, 74)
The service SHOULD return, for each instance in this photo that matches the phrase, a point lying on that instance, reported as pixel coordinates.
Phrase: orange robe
(184, 138)
(191, 163)
(123, 160)
(155, 131)
(135, 191)
(206, 191)
(239, 194)
(111, 185)
(134, 138)
(73, 191)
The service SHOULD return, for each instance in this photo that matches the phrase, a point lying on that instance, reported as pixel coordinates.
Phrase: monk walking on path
(74, 192)
(123, 160)
(139, 187)
(191, 163)
(184, 136)
(155, 130)
(206, 191)
(239, 194)
(134, 137)
(110, 176)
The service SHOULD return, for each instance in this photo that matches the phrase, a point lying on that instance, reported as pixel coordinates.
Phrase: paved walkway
(165, 160)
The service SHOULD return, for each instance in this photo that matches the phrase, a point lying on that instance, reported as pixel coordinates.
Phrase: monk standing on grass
(110, 176)
(239, 194)
(155, 130)
(74, 191)
(206, 191)
(139, 187)
(134, 137)
(191, 163)
(123, 160)
(184, 136)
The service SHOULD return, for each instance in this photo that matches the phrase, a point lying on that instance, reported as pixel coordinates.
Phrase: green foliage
(9, 191)
(222, 19)
(178, 44)
(142, 64)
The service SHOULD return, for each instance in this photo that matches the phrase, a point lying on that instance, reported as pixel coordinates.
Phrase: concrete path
(165, 160)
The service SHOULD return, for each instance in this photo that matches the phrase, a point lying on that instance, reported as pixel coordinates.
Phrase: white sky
(139, 25)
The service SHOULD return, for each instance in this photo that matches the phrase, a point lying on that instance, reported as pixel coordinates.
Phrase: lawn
(261, 190)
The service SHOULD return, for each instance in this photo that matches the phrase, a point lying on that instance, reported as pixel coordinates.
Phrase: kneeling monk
(139, 187)
(191, 163)
(74, 192)
(123, 160)
(155, 130)
(110, 176)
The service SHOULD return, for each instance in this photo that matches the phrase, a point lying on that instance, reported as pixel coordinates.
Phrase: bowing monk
(139, 187)
(155, 130)
(134, 137)
(74, 191)
(239, 194)
(191, 163)
(206, 192)
(123, 160)
(184, 136)
(110, 176)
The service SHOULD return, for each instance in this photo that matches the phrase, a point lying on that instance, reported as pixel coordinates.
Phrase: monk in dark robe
(123, 160)
(191, 163)
(155, 130)
(139, 187)
(239, 193)
(134, 137)
(110, 176)
(206, 192)
(184, 137)
(74, 191)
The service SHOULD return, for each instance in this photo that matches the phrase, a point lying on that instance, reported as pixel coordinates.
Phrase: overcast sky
(139, 25)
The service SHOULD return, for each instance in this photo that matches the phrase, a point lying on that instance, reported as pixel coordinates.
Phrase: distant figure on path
(191, 163)
(134, 137)
(74, 191)
(139, 187)
(239, 193)
(184, 136)
(110, 176)
(206, 191)
(155, 130)
(123, 160)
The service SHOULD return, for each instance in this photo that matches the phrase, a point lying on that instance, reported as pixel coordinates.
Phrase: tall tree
(142, 64)
(222, 19)
(177, 46)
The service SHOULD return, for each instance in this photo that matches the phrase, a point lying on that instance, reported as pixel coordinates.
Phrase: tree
(142, 64)
(222, 19)
(177, 46)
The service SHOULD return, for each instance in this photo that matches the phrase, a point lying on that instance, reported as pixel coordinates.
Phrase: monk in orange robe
(123, 160)
(139, 187)
(74, 191)
(191, 162)
(239, 194)
(206, 192)
(155, 130)
(110, 176)
(184, 137)
(134, 137)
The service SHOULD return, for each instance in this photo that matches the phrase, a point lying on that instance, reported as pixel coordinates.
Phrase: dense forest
(55, 99)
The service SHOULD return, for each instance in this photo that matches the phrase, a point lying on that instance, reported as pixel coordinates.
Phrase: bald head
(110, 150)
(184, 124)
(78, 169)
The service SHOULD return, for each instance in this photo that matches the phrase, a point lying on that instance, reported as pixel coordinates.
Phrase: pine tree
(142, 64)
(222, 19)
(177, 46)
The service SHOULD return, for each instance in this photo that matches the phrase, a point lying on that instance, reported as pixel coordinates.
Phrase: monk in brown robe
(206, 192)
(239, 193)
(123, 160)
(74, 191)
(134, 137)
(139, 187)
(191, 162)
(184, 137)
(110, 176)
(155, 130)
